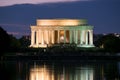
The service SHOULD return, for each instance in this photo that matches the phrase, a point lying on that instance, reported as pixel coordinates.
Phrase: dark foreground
(62, 58)
(62, 54)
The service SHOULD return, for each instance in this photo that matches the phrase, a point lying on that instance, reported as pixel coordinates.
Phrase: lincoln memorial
(49, 32)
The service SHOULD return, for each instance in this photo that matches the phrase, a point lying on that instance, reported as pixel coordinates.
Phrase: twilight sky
(16, 16)
(12, 2)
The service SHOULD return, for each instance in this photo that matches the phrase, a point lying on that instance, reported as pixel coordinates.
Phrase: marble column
(37, 37)
(47, 36)
(58, 36)
(74, 36)
(81, 36)
(39, 34)
(86, 42)
(91, 37)
(52, 36)
(70, 34)
(76, 41)
(42, 37)
(64, 36)
(82, 40)
(32, 37)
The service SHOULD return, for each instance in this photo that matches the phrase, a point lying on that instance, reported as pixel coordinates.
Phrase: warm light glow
(44, 73)
(61, 38)
(60, 22)
(40, 73)
(62, 32)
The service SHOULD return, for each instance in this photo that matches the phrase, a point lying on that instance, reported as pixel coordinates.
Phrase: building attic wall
(61, 22)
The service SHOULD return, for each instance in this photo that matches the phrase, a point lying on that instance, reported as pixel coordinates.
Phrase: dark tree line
(109, 42)
(4, 41)
(8, 43)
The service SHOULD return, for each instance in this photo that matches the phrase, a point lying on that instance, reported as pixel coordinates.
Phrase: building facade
(49, 32)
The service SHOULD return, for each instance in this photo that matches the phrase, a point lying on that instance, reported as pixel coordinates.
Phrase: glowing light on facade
(60, 22)
(48, 32)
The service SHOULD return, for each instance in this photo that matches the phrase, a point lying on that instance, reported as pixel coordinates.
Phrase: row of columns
(38, 37)
(42, 37)
(84, 36)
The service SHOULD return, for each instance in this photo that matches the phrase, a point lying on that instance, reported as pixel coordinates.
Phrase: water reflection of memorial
(44, 72)
(60, 71)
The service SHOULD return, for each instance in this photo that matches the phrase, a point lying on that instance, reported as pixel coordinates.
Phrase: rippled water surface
(42, 70)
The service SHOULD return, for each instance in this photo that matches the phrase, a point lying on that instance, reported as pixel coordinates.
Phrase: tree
(25, 42)
(14, 43)
(4, 41)
(109, 42)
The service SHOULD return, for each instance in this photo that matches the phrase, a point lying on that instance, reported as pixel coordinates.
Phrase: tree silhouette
(109, 42)
(4, 41)
(25, 43)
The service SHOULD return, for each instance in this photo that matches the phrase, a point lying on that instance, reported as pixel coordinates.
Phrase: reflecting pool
(45, 70)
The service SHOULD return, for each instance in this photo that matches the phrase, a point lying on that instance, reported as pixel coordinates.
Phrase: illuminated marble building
(49, 32)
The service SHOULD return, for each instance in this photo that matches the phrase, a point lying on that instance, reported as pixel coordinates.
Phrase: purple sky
(104, 15)
(12, 2)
